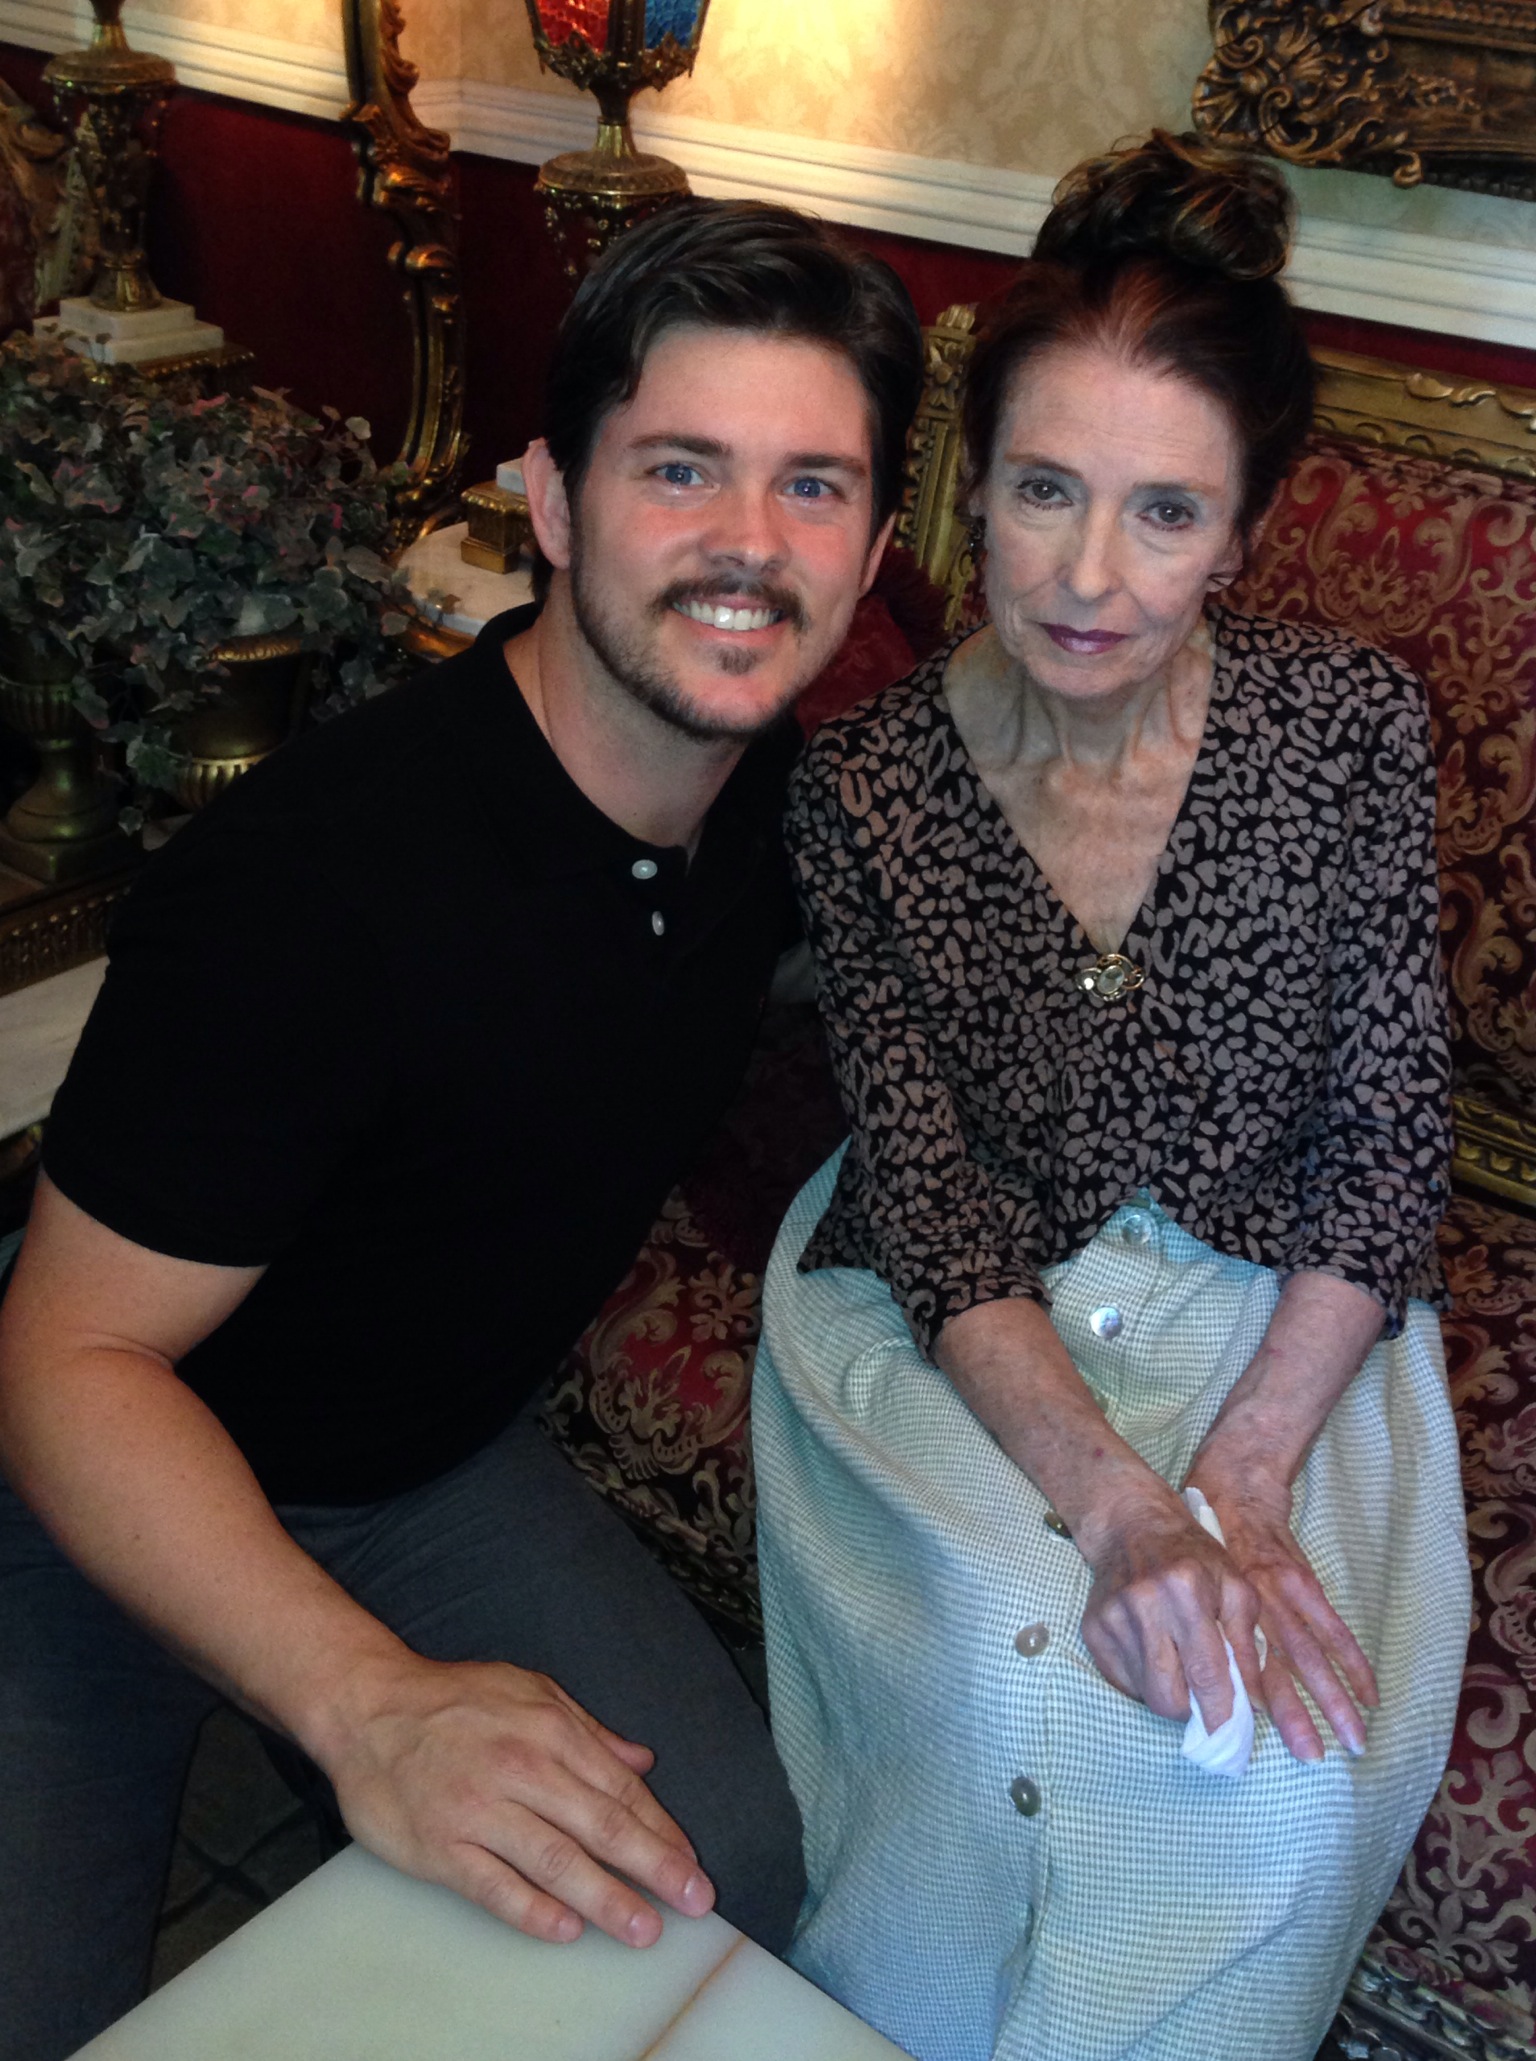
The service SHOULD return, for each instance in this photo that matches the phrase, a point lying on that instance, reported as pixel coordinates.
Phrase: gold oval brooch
(1110, 977)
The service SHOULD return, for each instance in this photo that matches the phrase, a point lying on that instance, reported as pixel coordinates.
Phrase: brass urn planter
(64, 829)
(261, 701)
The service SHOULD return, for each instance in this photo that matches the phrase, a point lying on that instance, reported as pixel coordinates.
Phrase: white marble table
(359, 1963)
(39, 1028)
(432, 565)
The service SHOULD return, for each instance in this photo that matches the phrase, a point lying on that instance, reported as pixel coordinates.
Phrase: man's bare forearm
(141, 1486)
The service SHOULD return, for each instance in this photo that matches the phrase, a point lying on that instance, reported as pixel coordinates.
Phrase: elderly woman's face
(1111, 508)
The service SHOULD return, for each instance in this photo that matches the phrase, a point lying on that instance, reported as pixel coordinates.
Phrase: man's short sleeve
(238, 1048)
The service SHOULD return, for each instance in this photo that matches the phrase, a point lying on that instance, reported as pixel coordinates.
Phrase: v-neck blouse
(1280, 1082)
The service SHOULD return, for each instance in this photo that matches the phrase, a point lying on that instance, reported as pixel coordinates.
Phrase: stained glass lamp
(611, 48)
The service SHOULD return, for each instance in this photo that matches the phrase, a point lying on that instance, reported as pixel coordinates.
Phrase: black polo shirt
(406, 1019)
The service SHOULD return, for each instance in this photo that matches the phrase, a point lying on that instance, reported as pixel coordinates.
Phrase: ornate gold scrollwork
(1464, 422)
(1438, 90)
(51, 930)
(931, 524)
(405, 171)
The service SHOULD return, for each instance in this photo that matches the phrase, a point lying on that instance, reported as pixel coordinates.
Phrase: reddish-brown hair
(1167, 252)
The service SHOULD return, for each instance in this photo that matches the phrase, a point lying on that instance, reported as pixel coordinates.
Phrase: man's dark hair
(734, 265)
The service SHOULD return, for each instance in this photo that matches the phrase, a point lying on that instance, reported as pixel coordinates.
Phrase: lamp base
(66, 861)
(592, 196)
(498, 531)
(134, 336)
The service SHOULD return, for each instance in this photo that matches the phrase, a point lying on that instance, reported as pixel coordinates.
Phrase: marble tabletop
(39, 1029)
(461, 597)
(360, 1963)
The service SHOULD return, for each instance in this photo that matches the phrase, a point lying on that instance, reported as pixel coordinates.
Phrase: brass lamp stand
(115, 99)
(604, 46)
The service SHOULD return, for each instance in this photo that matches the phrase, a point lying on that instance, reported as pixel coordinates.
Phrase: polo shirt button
(1026, 1795)
(1032, 1641)
(1106, 1322)
(658, 922)
(1137, 1228)
(644, 869)
(1057, 1524)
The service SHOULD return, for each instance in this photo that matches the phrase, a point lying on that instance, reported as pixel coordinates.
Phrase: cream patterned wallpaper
(1032, 85)
(316, 23)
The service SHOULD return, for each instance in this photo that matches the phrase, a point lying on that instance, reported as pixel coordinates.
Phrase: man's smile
(720, 615)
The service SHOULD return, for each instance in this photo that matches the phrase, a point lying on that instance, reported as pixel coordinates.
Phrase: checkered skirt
(1144, 1910)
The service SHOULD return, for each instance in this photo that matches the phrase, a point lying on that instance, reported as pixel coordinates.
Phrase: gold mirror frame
(405, 171)
(1442, 91)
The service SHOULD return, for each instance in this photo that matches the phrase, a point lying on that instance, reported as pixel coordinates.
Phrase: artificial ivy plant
(144, 525)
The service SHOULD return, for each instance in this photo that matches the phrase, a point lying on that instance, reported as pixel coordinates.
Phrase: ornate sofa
(1411, 520)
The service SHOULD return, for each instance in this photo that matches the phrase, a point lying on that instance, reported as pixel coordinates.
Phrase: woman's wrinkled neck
(1007, 718)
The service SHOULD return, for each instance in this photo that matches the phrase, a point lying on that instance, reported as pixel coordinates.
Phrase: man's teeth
(721, 616)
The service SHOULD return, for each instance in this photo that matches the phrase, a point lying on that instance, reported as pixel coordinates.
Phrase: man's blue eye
(677, 474)
(809, 489)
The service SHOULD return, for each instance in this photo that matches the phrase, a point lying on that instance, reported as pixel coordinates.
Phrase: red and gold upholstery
(1436, 563)
(1461, 1924)
(1438, 566)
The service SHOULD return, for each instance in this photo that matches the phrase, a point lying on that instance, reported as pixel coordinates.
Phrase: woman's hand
(1309, 1643)
(1163, 1596)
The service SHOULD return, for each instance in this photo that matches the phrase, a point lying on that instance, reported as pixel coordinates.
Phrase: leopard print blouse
(1279, 1084)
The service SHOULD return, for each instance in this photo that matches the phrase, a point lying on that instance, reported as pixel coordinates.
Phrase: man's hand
(1309, 1643)
(1164, 1593)
(495, 1783)
(482, 1777)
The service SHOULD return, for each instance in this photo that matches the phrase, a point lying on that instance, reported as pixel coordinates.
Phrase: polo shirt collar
(554, 831)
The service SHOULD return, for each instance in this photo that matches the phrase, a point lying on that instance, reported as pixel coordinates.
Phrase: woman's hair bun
(1176, 197)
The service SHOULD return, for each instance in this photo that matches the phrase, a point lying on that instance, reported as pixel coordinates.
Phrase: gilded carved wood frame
(1437, 90)
(405, 172)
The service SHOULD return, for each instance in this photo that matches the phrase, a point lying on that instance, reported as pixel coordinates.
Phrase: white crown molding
(1482, 290)
(1438, 283)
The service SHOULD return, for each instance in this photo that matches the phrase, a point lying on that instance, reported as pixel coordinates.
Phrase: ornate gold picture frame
(1442, 91)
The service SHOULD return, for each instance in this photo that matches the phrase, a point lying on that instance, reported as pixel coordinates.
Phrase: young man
(401, 1046)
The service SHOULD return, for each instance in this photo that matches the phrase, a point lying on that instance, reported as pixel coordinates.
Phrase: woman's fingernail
(697, 1894)
(644, 1927)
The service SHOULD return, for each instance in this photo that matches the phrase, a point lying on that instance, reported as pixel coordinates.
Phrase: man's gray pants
(508, 1557)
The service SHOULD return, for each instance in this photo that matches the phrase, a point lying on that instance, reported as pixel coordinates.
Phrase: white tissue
(1227, 1750)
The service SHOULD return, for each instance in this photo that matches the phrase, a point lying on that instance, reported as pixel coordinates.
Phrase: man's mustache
(740, 592)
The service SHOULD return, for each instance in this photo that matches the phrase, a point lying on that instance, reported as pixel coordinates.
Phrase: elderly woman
(1124, 913)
